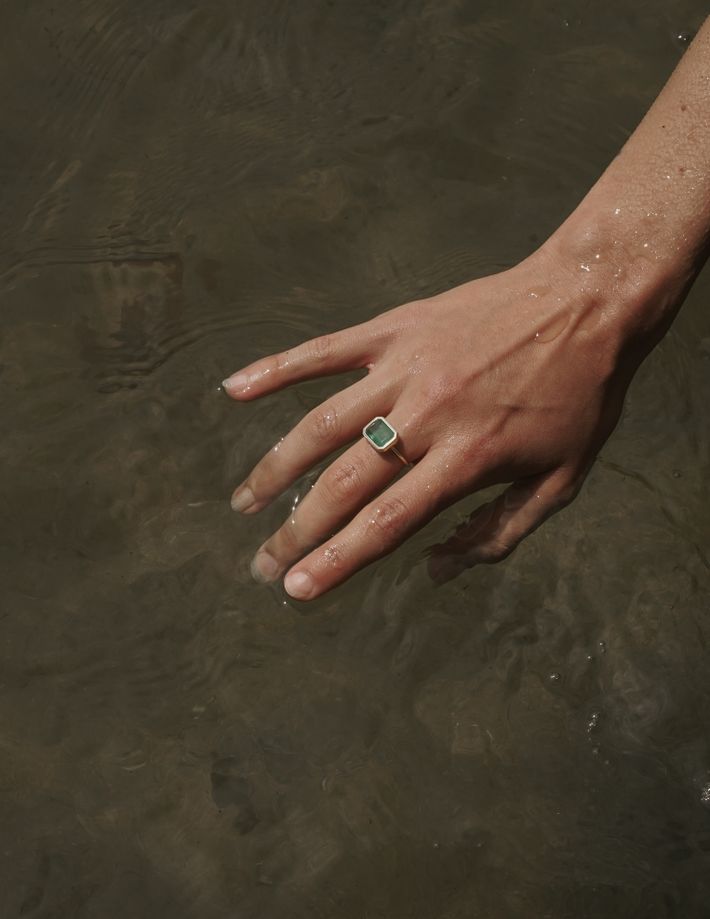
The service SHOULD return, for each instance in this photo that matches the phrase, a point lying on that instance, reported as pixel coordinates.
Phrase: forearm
(643, 229)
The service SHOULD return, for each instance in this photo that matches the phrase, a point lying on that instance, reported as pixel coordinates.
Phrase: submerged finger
(495, 529)
(342, 490)
(325, 429)
(344, 487)
(381, 526)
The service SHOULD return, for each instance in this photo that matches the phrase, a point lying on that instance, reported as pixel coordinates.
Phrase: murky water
(185, 187)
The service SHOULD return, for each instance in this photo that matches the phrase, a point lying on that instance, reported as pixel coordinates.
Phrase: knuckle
(343, 481)
(334, 557)
(390, 517)
(440, 387)
(287, 538)
(493, 551)
(325, 423)
(321, 349)
(278, 362)
(479, 455)
(264, 475)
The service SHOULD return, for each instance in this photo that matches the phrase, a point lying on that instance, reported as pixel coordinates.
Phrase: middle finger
(345, 486)
(323, 430)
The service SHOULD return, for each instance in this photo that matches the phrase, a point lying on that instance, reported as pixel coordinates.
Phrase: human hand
(518, 377)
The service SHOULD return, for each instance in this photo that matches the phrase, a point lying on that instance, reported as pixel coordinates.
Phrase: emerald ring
(380, 434)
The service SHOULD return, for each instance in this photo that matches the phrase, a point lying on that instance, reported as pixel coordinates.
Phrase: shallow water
(188, 186)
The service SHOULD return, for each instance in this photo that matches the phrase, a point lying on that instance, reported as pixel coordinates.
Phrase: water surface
(186, 187)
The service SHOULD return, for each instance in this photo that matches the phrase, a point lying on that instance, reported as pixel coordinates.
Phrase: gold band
(382, 437)
(399, 456)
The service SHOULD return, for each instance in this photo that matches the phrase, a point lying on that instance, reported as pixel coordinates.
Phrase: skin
(515, 378)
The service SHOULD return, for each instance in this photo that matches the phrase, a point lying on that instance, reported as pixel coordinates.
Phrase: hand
(517, 377)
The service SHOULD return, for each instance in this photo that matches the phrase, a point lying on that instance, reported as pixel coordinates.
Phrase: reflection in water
(188, 187)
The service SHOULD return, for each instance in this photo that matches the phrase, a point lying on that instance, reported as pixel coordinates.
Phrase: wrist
(621, 266)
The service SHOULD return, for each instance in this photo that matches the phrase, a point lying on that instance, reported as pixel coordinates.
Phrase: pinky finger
(495, 529)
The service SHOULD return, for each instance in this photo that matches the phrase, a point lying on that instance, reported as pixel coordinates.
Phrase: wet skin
(514, 378)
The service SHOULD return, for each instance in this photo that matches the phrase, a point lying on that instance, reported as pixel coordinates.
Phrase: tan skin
(515, 378)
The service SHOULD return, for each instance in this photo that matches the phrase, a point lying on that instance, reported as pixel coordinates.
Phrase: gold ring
(399, 456)
(380, 434)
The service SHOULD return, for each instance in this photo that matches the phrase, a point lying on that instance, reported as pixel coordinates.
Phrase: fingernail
(299, 585)
(264, 567)
(237, 383)
(242, 499)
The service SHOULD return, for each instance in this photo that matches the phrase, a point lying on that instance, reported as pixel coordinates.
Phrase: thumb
(495, 529)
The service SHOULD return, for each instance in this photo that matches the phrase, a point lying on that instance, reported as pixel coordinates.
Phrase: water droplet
(602, 647)
(552, 329)
(555, 677)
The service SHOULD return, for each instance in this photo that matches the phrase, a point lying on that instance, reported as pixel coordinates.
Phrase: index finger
(351, 349)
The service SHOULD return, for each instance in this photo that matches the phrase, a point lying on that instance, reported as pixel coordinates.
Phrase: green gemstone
(380, 434)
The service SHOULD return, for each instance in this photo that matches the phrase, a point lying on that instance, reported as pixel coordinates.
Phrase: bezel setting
(373, 433)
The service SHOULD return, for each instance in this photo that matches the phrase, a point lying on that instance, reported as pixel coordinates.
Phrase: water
(186, 187)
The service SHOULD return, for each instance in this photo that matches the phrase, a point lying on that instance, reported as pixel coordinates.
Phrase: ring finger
(345, 486)
(323, 430)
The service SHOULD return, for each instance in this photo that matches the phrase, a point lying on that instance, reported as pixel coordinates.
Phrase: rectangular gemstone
(380, 434)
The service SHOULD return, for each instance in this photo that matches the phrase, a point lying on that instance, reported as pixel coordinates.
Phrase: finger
(323, 430)
(348, 483)
(376, 530)
(350, 349)
(495, 529)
